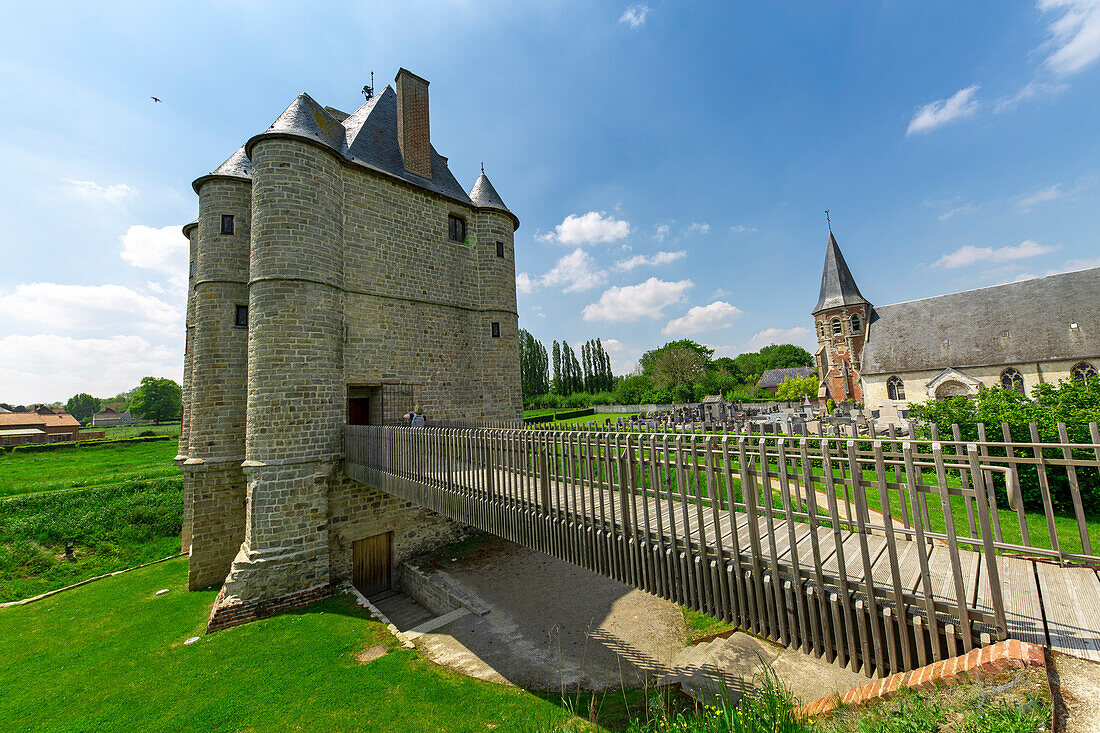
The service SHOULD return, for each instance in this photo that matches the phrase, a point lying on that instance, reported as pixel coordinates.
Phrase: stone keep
(334, 256)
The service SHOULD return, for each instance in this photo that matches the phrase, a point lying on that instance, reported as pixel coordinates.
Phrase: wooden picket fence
(880, 554)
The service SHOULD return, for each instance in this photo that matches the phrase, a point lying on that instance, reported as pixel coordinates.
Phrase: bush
(1070, 402)
(75, 444)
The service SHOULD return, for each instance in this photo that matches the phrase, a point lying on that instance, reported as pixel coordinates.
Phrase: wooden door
(370, 567)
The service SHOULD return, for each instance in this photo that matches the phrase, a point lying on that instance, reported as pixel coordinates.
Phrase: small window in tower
(837, 327)
(496, 329)
(500, 249)
(856, 323)
(191, 269)
(456, 228)
(227, 223)
(241, 319)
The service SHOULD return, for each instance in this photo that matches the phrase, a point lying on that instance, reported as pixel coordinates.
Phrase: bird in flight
(154, 99)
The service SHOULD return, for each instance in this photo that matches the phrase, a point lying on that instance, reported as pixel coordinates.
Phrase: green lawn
(597, 418)
(112, 528)
(132, 431)
(110, 656)
(80, 467)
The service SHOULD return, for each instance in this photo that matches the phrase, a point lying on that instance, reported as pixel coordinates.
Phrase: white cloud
(1042, 196)
(699, 228)
(719, 293)
(942, 111)
(742, 229)
(47, 367)
(576, 271)
(624, 359)
(95, 191)
(633, 302)
(661, 258)
(524, 283)
(958, 211)
(1032, 90)
(595, 227)
(969, 254)
(718, 314)
(799, 335)
(163, 250)
(1074, 35)
(635, 15)
(89, 309)
(662, 232)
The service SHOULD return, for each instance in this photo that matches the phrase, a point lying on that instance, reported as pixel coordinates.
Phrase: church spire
(838, 287)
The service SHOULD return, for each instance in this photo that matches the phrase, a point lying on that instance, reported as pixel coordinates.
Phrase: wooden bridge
(880, 554)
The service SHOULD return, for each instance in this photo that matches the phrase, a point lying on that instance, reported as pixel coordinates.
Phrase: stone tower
(840, 319)
(339, 275)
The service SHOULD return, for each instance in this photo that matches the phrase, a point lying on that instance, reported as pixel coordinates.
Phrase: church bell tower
(840, 319)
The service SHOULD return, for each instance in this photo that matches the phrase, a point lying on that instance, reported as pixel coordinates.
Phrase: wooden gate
(371, 564)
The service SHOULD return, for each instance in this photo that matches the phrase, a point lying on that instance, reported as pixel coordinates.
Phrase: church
(1018, 335)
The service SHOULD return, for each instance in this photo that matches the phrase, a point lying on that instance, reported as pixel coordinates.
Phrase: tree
(783, 356)
(557, 384)
(795, 388)
(678, 367)
(532, 365)
(82, 406)
(650, 358)
(157, 400)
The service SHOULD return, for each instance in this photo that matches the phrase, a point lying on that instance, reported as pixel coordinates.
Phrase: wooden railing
(882, 554)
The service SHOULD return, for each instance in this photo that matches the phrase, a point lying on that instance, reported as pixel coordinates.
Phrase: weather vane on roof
(368, 90)
(829, 223)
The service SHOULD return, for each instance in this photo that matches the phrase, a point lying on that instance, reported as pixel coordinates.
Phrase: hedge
(557, 417)
(38, 447)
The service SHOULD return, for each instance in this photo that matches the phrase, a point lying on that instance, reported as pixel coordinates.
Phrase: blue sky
(670, 162)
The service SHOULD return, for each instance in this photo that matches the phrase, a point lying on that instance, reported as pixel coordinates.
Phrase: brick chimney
(412, 123)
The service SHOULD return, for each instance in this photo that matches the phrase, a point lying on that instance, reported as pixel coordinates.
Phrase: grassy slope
(113, 528)
(101, 465)
(110, 656)
(131, 431)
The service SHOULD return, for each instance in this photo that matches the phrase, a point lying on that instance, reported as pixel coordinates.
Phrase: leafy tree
(749, 366)
(157, 400)
(631, 390)
(82, 406)
(679, 367)
(649, 359)
(795, 388)
(557, 384)
(783, 356)
(533, 365)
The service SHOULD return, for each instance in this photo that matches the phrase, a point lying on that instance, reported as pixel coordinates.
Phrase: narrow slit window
(500, 249)
(227, 223)
(241, 317)
(496, 329)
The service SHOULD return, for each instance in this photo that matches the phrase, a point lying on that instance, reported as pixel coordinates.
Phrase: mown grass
(112, 528)
(597, 418)
(110, 656)
(82, 467)
(132, 431)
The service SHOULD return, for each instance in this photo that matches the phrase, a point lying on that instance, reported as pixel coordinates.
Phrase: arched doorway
(951, 388)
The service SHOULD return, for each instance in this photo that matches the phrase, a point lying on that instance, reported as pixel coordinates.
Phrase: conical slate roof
(838, 287)
(305, 118)
(238, 166)
(483, 194)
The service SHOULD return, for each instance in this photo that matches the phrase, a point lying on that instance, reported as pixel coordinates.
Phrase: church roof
(1022, 322)
(366, 137)
(838, 287)
(776, 377)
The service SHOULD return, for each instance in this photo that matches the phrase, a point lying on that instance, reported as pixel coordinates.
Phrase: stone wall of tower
(840, 371)
(296, 393)
(215, 437)
(499, 376)
(191, 232)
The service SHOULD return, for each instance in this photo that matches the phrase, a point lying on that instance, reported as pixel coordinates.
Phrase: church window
(837, 327)
(1012, 379)
(856, 323)
(500, 249)
(241, 317)
(456, 228)
(1083, 372)
(895, 388)
(496, 329)
(227, 223)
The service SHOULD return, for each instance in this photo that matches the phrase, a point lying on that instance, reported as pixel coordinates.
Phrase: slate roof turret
(236, 165)
(485, 196)
(838, 287)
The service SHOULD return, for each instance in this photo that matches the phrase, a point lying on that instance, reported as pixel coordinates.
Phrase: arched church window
(1083, 372)
(1012, 379)
(895, 388)
(856, 323)
(837, 327)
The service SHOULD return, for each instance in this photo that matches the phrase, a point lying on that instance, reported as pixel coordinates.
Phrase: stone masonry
(341, 246)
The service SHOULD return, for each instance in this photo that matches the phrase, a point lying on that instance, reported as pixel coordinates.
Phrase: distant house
(44, 425)
(772, 378)
(107, 417)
